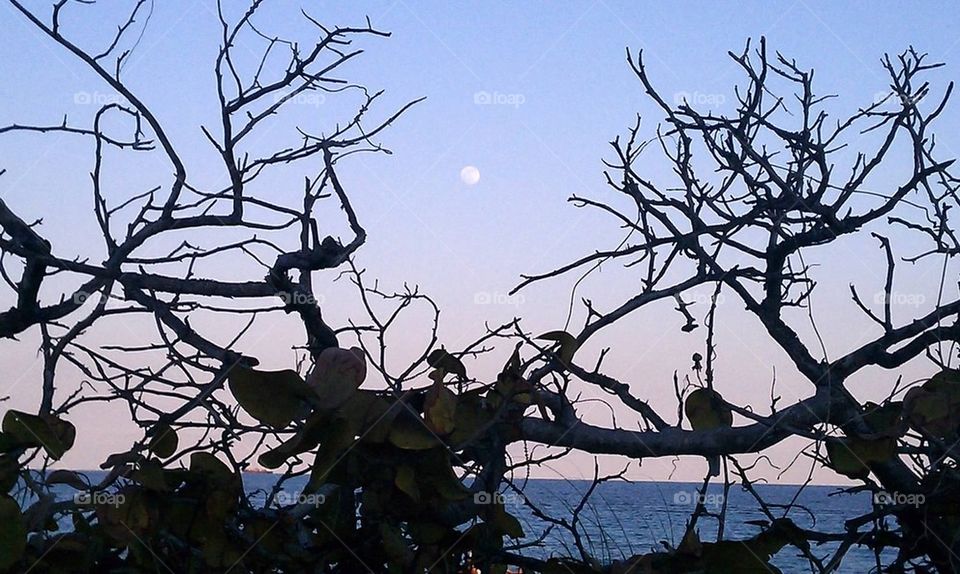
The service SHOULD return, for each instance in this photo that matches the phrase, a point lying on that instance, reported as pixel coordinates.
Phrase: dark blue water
(624, 519)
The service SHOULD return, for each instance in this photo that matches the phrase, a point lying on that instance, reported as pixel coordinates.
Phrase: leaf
(13, 533)
(126, 517)
(691, 543)
(305, 439)
(706, 410)
(213, 470)
(440, 409)
(441, 359)
(566, 347)
(119, 459)
(853, 456)
(150, 474)
(505, 522)
(337, 375)
(68, 477)
(934, 407)
(341, 436)
(9, 473)
(885, 420)
(406, 481)
(164, 441)
(394, 545)
(410, 433)
(372, 414)
(272, 397)
(54, 435)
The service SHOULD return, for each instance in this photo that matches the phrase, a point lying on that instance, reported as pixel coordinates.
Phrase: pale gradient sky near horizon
(561, 90)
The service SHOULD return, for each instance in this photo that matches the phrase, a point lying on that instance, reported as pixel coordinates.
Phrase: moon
(470, 175)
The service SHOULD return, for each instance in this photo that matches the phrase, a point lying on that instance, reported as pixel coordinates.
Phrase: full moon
(470, 175)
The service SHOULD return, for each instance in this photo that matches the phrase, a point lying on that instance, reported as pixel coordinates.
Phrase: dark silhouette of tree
(408, 477)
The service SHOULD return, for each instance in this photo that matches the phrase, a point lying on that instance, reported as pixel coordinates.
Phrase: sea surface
(624, 519)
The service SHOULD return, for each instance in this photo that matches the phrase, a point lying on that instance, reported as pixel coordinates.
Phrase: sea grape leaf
(406, 482)
(9, 473)
(505, 522)
(410, 433)
(337, 375)
(306, 438)
(13, 533)
(67, 477)
(444, 361)
(934, 407)
(151, 475)
(275, 398)
(566, 344)
(440, 409)
(706, 410)
(853, 456)
(53, 434)
(164, 441)
(886, 419)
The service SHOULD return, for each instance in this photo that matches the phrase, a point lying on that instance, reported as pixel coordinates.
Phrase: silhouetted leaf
(441, 359)
(67, 477)
(853, 456)
(406, 481)
(53, 434)
(410, 433)
(272, 397)
(13, 534)
(934, 407)
(164, 441)
(305, 439)
(440, 409)
(706, 410)
(567, 344)
(337, 375)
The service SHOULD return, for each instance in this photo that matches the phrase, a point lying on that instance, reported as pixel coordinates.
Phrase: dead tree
(752, 192)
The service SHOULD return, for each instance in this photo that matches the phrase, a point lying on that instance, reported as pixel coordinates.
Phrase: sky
(528, 93)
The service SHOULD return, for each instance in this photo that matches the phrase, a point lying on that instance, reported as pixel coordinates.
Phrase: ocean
(623, 519)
